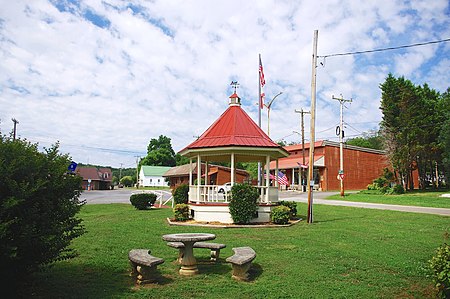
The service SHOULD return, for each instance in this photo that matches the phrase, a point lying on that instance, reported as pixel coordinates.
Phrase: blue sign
(72, 166)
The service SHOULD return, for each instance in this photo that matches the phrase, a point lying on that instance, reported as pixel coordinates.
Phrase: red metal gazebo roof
(233, 128)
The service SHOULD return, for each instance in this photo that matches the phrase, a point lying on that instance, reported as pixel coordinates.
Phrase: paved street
(123, 196)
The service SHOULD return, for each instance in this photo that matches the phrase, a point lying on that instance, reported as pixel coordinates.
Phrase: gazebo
(233, 137)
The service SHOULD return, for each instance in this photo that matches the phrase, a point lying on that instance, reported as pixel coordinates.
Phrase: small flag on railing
(281, 178)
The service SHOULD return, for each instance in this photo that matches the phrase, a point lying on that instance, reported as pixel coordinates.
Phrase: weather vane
(234, 85)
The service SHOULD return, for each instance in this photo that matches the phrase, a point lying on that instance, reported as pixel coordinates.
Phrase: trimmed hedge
(181, 212)
(243, 203)
(143, 201)
(181, 194)
(280, 215)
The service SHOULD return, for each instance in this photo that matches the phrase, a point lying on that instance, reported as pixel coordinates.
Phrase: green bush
(181, 212)
(181, 194)
(398, 189)
(143, 201)
(292, 205)
(243, 203)
(440, 267)
(280, 215)
(39, 201)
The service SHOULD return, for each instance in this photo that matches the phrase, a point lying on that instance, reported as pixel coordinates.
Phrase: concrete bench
(241, 262)
(143, 265)
(214, 247)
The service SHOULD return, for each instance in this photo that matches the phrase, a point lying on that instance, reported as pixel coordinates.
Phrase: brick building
(361, 165)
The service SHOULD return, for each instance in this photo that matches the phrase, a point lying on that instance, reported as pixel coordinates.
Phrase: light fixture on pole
(268, 112)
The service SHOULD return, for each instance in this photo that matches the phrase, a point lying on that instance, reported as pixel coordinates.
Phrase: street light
(268, 112)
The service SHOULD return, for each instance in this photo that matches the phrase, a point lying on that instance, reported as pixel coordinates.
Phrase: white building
(152, 176)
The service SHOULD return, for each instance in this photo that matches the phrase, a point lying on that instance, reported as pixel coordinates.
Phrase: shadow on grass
(255, 271)
(78, 281)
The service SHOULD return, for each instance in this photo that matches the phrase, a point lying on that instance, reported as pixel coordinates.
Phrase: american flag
(302, 165)
(281, 178)
(262, 82)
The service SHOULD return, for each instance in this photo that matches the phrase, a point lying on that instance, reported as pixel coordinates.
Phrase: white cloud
(129, 72)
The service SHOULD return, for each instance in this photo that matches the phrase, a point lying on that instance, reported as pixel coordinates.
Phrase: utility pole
(310, 181)
(15, 121)
(120, 171)
(137, 171)
(341, 142)
(302, 124)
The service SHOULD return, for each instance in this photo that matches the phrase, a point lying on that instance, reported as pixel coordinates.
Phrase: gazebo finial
(235, 85)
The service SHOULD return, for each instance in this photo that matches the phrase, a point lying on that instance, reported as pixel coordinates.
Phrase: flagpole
(259, 115)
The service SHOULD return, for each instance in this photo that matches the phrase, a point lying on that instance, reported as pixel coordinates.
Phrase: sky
(105, 77)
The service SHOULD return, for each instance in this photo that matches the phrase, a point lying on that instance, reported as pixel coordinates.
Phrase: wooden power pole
(301, 173)
(310, 181)
(15, 121)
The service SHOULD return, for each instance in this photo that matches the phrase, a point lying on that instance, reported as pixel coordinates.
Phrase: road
(123, 196)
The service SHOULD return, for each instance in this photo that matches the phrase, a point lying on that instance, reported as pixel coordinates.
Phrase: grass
(416, 198)
(346, 253)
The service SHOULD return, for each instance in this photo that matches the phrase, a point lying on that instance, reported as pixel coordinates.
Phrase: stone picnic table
(188, 262)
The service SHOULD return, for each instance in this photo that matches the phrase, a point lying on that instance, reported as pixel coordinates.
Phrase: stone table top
(188, 237)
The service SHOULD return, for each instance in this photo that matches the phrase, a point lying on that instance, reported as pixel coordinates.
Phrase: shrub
(181, 194)
(39, 201)
(440, 267)
(280, 215)
(243, 203)
(181, 212)
(292, 205)
(398, 189)
(143, 201)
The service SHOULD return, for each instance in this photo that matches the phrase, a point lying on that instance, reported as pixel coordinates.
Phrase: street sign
(341, 176)
(72, 166)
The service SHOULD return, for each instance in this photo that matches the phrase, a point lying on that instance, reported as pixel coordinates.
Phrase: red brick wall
(360, 168)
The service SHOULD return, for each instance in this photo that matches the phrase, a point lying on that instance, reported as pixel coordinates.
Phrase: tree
(39, 201)
(444, 135)
(127, 181)
(413, 119)
(181, 160)
(159, 153)
(368, 140)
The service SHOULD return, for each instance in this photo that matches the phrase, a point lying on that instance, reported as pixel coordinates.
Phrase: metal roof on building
(154, 170)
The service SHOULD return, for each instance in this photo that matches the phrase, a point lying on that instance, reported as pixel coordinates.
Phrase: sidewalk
(318, 199)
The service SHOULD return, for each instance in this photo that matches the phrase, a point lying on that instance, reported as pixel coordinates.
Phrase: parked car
(225, 188)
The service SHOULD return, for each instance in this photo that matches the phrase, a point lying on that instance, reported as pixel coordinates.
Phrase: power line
(387, 49)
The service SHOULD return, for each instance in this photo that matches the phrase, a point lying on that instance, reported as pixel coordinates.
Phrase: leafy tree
(127, 181)
(39, 201)
(159, 153)
(444, 135)
(181, 160)
(368, 140)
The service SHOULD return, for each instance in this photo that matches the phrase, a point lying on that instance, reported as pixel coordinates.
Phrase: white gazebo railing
(210, 194)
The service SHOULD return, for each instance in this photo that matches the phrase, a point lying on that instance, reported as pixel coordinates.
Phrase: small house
(152, 176)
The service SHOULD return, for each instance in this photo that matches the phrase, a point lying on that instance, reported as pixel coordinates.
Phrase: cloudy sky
(104, 77)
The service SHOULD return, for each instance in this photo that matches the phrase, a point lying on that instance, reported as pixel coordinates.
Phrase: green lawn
(346, 253)
(422, 199)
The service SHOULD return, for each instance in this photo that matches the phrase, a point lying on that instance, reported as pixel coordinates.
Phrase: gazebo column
(206, 173)
(190, 172)
(276, 173)
(267, 177)
(232, 169)
(199, 176)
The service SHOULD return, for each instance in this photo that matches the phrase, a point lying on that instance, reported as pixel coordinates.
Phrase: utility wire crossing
(387, 49)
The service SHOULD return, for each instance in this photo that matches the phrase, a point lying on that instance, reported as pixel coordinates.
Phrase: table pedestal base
(188, 270)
